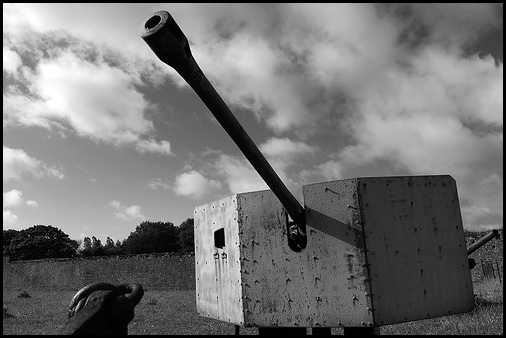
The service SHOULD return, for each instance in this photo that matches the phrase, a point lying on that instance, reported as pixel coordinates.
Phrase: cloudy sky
(99, 135)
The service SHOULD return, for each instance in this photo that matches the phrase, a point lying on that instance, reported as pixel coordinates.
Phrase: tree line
(46, 241)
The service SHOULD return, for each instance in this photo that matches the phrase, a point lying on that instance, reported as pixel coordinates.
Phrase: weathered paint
(415, 247)
(217, 269)
(335, 239)
(379, 251)
(321, 286)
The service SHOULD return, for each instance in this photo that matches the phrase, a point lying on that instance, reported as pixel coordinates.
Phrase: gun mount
(371, 251)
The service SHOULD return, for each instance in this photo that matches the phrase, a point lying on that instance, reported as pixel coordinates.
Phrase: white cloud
(10, 221)
(285, 149)
(11, 61)
(13, 198)
(104, 106)
(331, 170)
(194, 185)
(239, 175)
(133, 211)
(17, 163)
(32, 204)
(22, 19)
(391, 86)
(61, 93)
(125, 213)
(486, 218)
(151, 146)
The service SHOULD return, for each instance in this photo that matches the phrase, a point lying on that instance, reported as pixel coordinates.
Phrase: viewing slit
(219, 238)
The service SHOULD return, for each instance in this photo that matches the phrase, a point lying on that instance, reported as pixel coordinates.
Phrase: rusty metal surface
(335, 240)
(379, 251)
(415, 247)
(217, 269)
(321, 286)
(272, 274)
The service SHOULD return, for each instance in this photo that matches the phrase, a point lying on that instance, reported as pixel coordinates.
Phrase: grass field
(174, 312)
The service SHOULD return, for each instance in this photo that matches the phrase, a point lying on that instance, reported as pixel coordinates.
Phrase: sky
(100, 135)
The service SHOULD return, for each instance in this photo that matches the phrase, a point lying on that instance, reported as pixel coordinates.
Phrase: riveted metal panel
(274, 293)
(415, 246)
(217, 263)
(379, 251)
(324, 285)
(337, 270)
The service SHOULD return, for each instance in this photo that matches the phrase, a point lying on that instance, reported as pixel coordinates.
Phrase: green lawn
(172, 312)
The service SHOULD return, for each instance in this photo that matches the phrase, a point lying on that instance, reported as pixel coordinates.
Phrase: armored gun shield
(380, 250)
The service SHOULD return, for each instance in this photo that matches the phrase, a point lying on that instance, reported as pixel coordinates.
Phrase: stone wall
(169, 271)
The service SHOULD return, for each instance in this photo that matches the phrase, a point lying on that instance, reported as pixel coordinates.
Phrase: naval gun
(361, 253)
(479, 243)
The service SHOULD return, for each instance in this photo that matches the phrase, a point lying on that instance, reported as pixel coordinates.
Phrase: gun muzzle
(165, 38)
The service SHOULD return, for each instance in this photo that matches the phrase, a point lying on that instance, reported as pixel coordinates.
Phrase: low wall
(153, 271)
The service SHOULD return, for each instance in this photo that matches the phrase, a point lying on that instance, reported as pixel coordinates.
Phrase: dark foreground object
(102, 309)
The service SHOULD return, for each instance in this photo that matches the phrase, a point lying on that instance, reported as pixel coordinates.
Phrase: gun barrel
(482, 241)
(168, 42)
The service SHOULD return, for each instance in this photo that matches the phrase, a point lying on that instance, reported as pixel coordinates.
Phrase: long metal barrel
(482, 241)
(166, 39)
